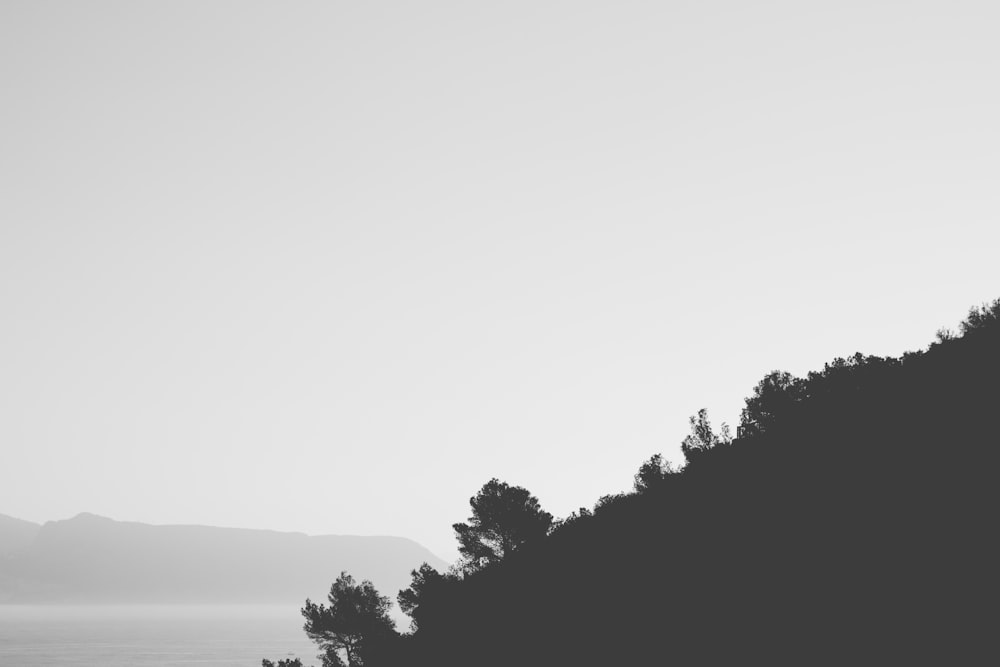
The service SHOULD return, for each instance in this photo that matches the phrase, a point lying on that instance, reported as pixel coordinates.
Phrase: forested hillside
(850, 521)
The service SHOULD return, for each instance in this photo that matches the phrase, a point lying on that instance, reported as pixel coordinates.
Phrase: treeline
(850, 520)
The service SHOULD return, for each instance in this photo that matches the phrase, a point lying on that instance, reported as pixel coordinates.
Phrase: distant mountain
(15, 534)
(93, 559)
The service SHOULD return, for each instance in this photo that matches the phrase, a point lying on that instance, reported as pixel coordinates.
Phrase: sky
(330, 266)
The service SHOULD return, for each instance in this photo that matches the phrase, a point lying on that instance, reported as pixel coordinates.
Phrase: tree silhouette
(772, 397)
(984, 317)
(428, 584)
(504, 519)
(356, 621)
(286, 662)
(652, 473)
(702, 437)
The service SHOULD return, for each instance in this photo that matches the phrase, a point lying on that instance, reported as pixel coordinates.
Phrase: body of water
(167, 636)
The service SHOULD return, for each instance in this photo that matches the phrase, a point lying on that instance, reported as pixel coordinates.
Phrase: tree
(286, 662)
(504, 519)
(702, 437)
(427, 586)
(772, 397)
(354, 623)
(983, 317)
(652, 473)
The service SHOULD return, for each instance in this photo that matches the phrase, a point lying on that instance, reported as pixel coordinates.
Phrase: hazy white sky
(330, 266)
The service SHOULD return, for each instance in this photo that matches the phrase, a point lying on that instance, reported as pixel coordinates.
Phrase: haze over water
(162, 635)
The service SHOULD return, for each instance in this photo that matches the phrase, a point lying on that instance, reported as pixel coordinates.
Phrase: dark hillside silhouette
(851, 521)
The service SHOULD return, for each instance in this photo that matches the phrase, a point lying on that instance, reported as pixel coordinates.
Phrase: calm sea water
(168, 636)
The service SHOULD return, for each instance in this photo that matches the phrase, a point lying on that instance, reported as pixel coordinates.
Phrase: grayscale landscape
(458, 333)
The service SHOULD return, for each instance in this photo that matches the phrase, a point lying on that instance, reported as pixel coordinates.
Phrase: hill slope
(851, 522)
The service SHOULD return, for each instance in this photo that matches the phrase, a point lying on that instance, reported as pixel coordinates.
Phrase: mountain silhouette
(93, 559)
(15, 534)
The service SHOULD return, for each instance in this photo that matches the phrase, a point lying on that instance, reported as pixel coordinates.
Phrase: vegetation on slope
(850, 521)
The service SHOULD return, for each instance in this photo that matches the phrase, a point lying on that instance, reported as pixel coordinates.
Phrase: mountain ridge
(16, 533)
(101, 517)
(91, 558)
